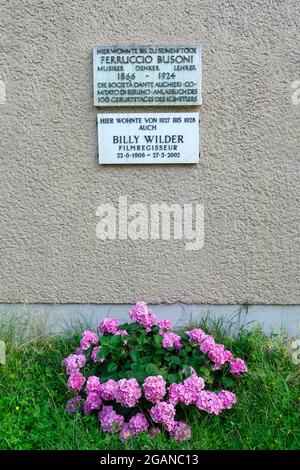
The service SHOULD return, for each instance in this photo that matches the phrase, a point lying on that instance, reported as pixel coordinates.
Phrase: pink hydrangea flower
(121, 333)
(153, 432)
(192, 387)
(165, 324)
(192, 371)
(217, 355)
(128, 392)
(88, 338)
(137, 424)
(75, 382)
(94, 354)
(73, 404)
(74, 363)
(209, 402)
(171, 339)
(177, 340)
(142, 314)
(154, 388)
(125, 432)
(109, 390)
(167, 341)
(92, 403)
(110, 420)
(109, 325)
(180, 431)
(93, 385)
(228, 399)
(228, 356)
(79, 351)
(196, 335)
(175, 393)
(238, 366)
(207, 344)
(216, 352)
(163, 413)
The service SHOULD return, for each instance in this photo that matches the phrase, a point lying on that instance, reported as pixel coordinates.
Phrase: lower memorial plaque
(148, 138)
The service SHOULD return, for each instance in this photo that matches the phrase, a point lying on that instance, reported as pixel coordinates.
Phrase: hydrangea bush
(139, 376)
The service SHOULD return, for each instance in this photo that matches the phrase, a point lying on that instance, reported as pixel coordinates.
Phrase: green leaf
(147, 359)
(172, 378)
(152, 369)
(112, 367)
(103, 352)
(131, 327)
(164, 374)
(209, 380)
(116, 340)
(228, 382)
(175, 360)
(187, 370)
(204, 371)
(139, 372)
(185, 337)
(134, 354)
(157, 341)
(161, 351)
(129, 375)
(105, 340)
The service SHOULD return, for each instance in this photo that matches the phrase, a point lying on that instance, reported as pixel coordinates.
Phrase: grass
(33, 395)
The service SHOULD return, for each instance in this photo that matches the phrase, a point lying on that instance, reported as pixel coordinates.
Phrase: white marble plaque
(148, 138)
(147, 75)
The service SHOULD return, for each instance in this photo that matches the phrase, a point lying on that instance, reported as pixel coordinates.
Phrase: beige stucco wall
(248, 178)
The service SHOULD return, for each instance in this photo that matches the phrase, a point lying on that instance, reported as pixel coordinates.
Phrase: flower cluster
(94, 354)
(88, 338)
(163, 413)
(196, 335)
(165, 325)
(186, 392)
(142, 314)
(93, 385)
(109, 325)
(73, 404)
(128, 393)
(74, 363)
(121, 333)
(215, 403)
(238, 366)
(209, 402)
(75, 382)
(109, 390)
(154, 388)
(228, 399)
(180, 431)
(115, 377)
(110, 420)
(137, 424)
(216, 352)
(192, 387)
(92, 402)
(171, 340)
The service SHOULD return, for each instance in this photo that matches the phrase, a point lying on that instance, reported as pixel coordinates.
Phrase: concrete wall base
(57, 318)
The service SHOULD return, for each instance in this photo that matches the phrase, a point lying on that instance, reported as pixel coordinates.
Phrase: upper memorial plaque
(147, 75)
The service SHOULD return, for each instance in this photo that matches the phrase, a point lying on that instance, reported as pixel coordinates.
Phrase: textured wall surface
(248, 178)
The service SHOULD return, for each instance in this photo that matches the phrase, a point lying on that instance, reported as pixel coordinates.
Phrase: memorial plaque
(147, 75)
(148, 138)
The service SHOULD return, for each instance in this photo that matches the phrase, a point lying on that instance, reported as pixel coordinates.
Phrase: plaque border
(198, 143)
(152, 105)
